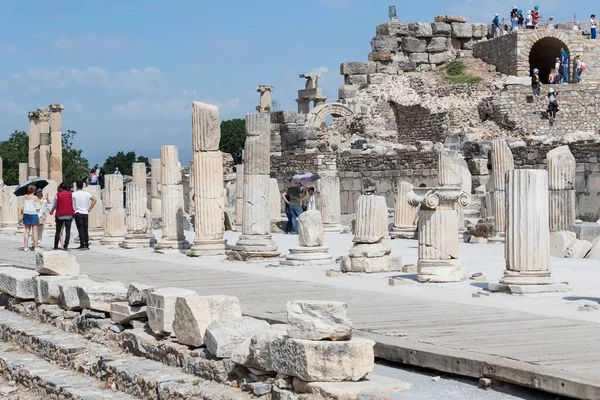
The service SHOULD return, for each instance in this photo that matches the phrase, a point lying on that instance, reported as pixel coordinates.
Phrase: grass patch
(180, 381)
(196, 382)
(455, 68)
(455, 73)
(468, 79)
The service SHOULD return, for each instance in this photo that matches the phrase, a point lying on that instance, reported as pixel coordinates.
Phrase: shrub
(468, 79)
(455, 68)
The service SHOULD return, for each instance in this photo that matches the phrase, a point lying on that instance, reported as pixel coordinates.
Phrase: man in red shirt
(63, 205)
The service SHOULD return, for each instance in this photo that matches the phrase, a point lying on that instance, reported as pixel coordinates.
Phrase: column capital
(43, 114)
(265, 88)
(438, 197)
(32, 115)
(56, 108)
(312, 80)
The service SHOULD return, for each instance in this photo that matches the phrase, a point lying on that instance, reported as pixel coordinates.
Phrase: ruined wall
(501, 52)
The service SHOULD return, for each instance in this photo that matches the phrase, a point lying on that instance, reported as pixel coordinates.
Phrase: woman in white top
(31, 220)
(311, 205)
(578, 68)
(42, 212)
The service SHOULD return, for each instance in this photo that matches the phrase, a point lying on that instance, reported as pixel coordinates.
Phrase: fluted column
(255, 241)
(44, 126)
(404, 213)
(449, 173)
(328, 188)
(138, 172)
(155, 187)
(114, 213)
(56, 173)
(10, 210)
(239, 194)
(96, 216)
(34, 144)
(371, 219)
(173, 237)
(274, 200)
(502, 161)
(191, 191)
(138, 220)
(561, 177)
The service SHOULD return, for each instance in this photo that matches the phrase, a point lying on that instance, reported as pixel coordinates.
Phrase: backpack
(583, 66)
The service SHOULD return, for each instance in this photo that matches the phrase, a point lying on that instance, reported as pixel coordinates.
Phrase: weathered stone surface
(353, 390)
(99, 296)
(358, 68)
(255, 352)
(419, 58)
(384, 43)
(579, 249)
(376, 56)
(69, 298)
(205, 127)
(420, 29)
(594, 253)
(124, 313)
(56, 263)
(310, 229)
(480, 30)
(462, 31)
(467, 44)
(392, 28)
(323, 361)
(17, 282)
(318, 320)
(224, 335)
(371, 264)
(449, 18)
(585, 230)
(414, 45)
(347, 92)
(437, 45)
(441, 29)
(194, 314)
(440, 58)
(161, 308)
(371, 219)
(407, 66)
(137, 294)
(560, 242)
(561, 168)
(47, 288)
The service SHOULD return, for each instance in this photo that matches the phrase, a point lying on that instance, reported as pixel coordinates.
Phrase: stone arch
(318, 114)
(541, 50)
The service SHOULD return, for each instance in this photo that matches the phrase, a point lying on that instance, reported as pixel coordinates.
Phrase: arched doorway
(319, 114)
(543, 56)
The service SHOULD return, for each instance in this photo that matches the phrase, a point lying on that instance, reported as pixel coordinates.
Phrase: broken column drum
(56, 172)
(328, 199)
(10, 210)
(255, 243)
(173, 237)
(310, 240)
(502, 161)
(239, 194)
(156, 202)
(209, 220)
(138, 219)
(404, 213)
(438, 233)
(96, 216)
(114, 213)
(561, 195)
(22, 178)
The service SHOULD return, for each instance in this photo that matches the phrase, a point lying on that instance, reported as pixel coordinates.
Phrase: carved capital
(438, 198)
(43, 114)
(56, 108)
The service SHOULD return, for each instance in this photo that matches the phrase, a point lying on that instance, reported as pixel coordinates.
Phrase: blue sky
(127, 70)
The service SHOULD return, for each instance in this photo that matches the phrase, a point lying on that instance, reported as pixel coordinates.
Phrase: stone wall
(500, 52)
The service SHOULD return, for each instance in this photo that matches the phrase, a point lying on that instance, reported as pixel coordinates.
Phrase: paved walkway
(438, 327)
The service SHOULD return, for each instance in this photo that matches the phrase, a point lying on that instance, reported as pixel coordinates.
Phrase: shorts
(31, 219)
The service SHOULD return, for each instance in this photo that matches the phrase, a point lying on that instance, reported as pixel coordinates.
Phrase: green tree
(75, 165)
(233, 136)
(124, 161)
(13, 151)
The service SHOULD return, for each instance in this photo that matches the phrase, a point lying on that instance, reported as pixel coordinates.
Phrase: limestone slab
(560, 242)
(100, 295)
(123, 313)
(56, 263)
(69, 299)
(351, 390)
(255, 352)
(594, 253)
(318, 320)
(47, 288)
(161, 308)
(310, 229)
(308, 256)
(579, 249)
(17, 282)
(224, 335)
(137, 294)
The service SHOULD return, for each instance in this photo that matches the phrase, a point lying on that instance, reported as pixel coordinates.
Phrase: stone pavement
(521, 340)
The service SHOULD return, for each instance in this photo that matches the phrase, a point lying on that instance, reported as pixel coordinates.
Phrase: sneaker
(25, 248)
(80, 248)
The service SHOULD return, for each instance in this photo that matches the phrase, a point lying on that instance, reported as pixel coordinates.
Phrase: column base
(138, 241)
(166, 245)
(96, 235)
(528, 289)
(370, 258)
(254, 248)
(308, 256)
(497, 238)
(403, 233)
(440, 271)
(108, 241)
(527, 278)
(336, 228)
(208, 247)
(9, 228)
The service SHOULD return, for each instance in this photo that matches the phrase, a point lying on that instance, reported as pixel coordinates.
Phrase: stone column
(561, 178)
(303, 106)
(10, 210)
(155, 187)
(310, 239)
(502, 161)
(328, 194)
(527, 248)
(44, 126)
(239, 194)
(370, 252)
(23, 172)
(114, 213)
(209, 217)
(255, 242)
(192, 191)
(139, 175)
(404, 213)
(138, 219)
(96, 216)
(173, 237)
(265, 98)
(50, 192)
(274, 200)
(56, 142)
(438, 233)
(449, 173)
(34, 144)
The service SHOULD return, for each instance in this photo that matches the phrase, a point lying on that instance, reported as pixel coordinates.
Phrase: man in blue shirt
(496, 25)
(564, 60)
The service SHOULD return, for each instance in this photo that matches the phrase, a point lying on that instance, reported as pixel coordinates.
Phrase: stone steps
(132, 376)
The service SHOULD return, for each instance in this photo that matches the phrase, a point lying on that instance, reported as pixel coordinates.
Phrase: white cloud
(89, 43)
(319, 70)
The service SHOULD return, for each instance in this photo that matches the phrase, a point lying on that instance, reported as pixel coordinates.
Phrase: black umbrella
(305, 177)
(39, 183)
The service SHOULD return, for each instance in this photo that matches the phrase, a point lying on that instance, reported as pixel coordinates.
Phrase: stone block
(255, 352)
(101, 294)
(358, 68)
(479, 30)
(407, 66)
(194, 314)
(161, 308)
(361, 390)
(585, 230)
(310, 229)
(467, 44)
(462, 30)
(450, 18)
(420, 29)
(347, 92)
(56, 263)
(318, 320)
(414, 45)
(384, 43)
(355, 79)
(69, 298)
(47, 288)
(478, 166)
(440, 58)
(453, 44)
(437, 45)
(388, 68)
(378, 79)
(381, 56)
(419, 58)
(124, 313)
(393, 28)
(323, 361)
(225, 335)
(18, 282)
(579, 249)
(441, 29)
(137, 294)
(594, 253)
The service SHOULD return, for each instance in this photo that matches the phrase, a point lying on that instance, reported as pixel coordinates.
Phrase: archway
(543, 55)
(319, 114)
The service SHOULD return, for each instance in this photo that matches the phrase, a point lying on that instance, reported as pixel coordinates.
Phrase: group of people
(67, 206)
(518, 20)
(96, 176)
(297, 199)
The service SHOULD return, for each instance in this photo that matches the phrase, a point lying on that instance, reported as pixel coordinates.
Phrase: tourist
(552, 104)
(311, 204)
(557, 66)
(288, 212)
(370, 191)
(580, 67)
(84, 202)
(101, 177)
(63, 206)
(535, 82)
(564, 60)
(42, 211)
(29, 213)
(117, 172)
(496, 25)
(593, 26)
(94, 178)
(514, 18)
(535, 17)
(293, 198)
(521, 19)
(529, 20)
(552, 76)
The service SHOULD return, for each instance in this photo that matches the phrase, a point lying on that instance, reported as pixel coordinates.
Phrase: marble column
(438, 233)
(255, 243)
(370, 253)
(274, 200)
(239, 194)
(50, 192)
(328, 194)
(191, 191)
(44, 126)
(10, 210)
(56, 173)
(34, 145)
(404, 213)
(155, 187)
(114, 213)
(173, 237)
(138, 172)
(449, 173)
(527, 248)
(502, 161)
(265, 98)
(138, 219)
(561, 196)
(310, 240)
(96, 216)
